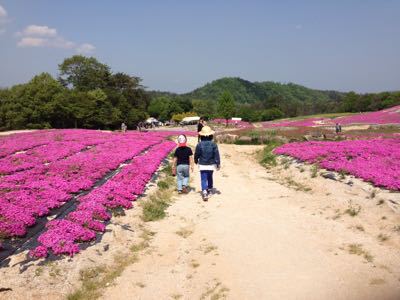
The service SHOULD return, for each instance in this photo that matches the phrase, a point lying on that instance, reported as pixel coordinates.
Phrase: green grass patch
(95, 278)
(267, 157)
(298, 186)
(154, 208)
(383, 237)
(163, 185)
(327, 115)
(357, 249)
(314, 171)
(167, 170)
(353, 210)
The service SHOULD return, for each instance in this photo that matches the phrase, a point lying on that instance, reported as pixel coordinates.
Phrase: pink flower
(375, 160)
(56, 164)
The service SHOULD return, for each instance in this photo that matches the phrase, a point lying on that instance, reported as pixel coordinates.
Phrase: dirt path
(259, 239)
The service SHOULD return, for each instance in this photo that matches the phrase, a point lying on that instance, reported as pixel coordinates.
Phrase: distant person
(183, 160)
(123, 127)
(338, 128)
(208, 159)
(200, 126)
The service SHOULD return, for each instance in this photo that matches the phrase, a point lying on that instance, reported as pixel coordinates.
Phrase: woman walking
(208, 159)
(200, 126)
(183, 159)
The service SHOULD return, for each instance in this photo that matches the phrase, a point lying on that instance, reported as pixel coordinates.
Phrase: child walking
(183, 159)
(207, 157)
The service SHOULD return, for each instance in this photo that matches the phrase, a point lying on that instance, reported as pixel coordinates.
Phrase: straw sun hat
(206, 131)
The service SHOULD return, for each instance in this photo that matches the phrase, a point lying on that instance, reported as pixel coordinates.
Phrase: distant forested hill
(267, 100)
(249, 92)
(291, 99)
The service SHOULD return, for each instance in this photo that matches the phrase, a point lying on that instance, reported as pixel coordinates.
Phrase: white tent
(151, 120)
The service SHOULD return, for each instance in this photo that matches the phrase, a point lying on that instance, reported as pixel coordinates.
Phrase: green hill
(270, 100)
(291, 99)
(249, 92)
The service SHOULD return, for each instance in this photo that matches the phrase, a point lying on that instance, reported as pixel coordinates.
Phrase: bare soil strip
(268, 237)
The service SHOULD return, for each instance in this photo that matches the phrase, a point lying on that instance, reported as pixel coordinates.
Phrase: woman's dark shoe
(185, 190)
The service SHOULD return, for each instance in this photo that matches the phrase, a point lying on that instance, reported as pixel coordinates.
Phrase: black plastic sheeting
(29, 241)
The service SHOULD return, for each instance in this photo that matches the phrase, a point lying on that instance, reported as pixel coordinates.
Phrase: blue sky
(180, 45)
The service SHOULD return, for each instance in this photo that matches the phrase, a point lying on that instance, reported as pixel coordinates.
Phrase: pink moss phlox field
(382, 117)
(76, 160)
(375, 160)
(93, 208)
(25, 141)
(298, 123)
(61, 237)
(238, 124)
(40, 155)
(386, 116)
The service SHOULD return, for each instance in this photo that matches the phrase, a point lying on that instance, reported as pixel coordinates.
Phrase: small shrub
(359, 227)
(268, 158)
(342, 174)
(167, 170)
(118, 212)
(357, 249)
(383, 237)
(184, 232)
(314, 171)
(139, 247)
(353, 210)
(163, 185)
(39, 271)
(285, 162)
(209, 249)
(194, 264)
(298, 186)
(154, 210)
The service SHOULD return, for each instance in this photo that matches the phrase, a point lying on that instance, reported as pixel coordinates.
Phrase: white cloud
(37, 30)
(60, 42)
(31, 42)
(44, 36)
(85, 48)
(45, 42)
(3, 19)
(3, 12)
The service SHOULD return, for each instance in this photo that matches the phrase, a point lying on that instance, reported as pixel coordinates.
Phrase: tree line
(87, 94)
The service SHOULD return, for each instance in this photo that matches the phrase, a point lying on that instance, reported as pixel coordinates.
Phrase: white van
(189, 120)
